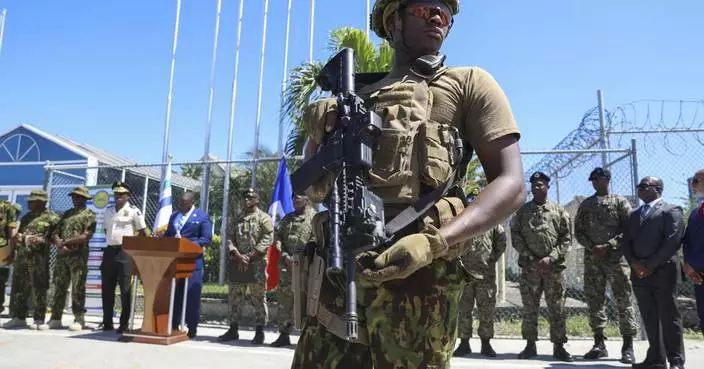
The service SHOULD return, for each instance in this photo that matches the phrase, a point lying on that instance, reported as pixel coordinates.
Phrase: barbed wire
(673, 121)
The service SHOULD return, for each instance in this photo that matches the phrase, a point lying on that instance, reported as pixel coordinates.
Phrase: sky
(98, 71)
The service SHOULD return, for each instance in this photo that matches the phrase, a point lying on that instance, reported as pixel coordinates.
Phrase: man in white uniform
(121, 219)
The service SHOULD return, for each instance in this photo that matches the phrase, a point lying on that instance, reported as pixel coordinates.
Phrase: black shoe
(463, 349)
(598, 350)
(487, 350)
(230, 335)
(283, 340)
(561, 354)
(627, 355)
(106, 327)
(258, 335)
(191, 334)
(528, 352)
(647, 365)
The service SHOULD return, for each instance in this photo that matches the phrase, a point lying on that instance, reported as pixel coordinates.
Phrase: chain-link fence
(569, 171)
(144, 183)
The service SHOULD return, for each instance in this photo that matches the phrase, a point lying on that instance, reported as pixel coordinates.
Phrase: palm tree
(302, 88)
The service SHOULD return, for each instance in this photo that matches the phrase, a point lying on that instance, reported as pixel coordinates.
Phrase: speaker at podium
(159, 262)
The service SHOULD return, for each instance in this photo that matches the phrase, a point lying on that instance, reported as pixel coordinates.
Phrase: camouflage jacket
(602, 220)
(253, 231)
(538, 231)
(293, 232)
(75, 222)
(8, 220)
(484, 251)
(37, 225)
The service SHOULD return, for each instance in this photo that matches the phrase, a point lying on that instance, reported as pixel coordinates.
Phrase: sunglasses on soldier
(427, 11)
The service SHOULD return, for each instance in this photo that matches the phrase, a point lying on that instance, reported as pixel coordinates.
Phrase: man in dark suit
(195, 225)
(651, 240)
(693, 244)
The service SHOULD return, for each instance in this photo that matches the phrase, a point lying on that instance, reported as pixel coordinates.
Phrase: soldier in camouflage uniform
(31, 273)
(480, 261)
(408, 290)
(541, 233)
(71, 236)
(598, 226)
(252, 236)
(293, 232)
(8, 229)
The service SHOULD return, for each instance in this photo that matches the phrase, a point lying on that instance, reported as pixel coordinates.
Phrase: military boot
(79, 324)
(487, 350)
(627, 355)
(15, 323)
(283, 340)
(561, 354)
(598, 350)
(464, 348)
(528, 352)
(258, 335)
(231, 334)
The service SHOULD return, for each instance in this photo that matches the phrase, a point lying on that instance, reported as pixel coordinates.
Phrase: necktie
(701, 210)
(644, 212)
(180, 223)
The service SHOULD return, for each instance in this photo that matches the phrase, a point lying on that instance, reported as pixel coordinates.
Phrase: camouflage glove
(407, 255)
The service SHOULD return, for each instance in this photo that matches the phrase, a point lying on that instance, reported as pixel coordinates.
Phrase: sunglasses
(696, 181)
(426, 12)
(644, 186)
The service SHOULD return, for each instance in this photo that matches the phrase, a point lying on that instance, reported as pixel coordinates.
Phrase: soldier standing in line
(253, 234)
(480, 261)
(599, 226)
(71, 237)
(8, 229)
(31, 254)
(541, 233)
(293, 232)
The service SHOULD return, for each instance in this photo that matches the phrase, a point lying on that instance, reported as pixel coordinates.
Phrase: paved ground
(61, 349)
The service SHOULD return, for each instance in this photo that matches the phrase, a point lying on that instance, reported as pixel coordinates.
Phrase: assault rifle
(356, 214)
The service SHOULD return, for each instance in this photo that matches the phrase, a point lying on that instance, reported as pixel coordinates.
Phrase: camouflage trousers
(483, 291)
(30, 279)
(248, 294)
(596, 274)
(412, 323)
(4, 276)
(284, 294)
(70, 269)
(532, 284)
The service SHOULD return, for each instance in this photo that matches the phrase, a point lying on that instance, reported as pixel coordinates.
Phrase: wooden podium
(159, 262)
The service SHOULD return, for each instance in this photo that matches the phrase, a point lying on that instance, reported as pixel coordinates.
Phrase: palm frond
(302, 88)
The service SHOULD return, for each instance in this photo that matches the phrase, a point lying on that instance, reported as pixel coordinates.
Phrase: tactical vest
(413, 154)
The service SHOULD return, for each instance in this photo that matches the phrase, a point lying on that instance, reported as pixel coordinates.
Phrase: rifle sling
(417, 209)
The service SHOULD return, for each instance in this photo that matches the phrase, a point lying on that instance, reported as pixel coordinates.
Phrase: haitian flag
(281, 204)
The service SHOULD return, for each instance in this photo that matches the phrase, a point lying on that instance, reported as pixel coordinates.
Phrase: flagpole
(228, 166)
(3, 15)
(167, 121)
(259, 98)
(312, 24)
(366, 20)
(205, 178)
(284, 81)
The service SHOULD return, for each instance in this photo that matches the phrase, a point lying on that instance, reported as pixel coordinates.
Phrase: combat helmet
(384, 9)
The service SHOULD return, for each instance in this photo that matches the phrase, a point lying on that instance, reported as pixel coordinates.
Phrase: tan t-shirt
(466, 97)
